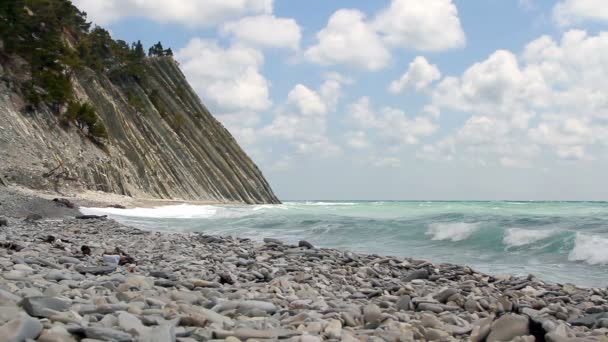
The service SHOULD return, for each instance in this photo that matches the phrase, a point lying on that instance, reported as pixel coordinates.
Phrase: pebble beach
(93, 279)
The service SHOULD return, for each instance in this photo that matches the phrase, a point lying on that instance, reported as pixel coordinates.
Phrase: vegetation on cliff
(54, 37)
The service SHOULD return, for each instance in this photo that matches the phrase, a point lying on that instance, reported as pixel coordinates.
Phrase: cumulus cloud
(265, 31)
(553, 96)
(391, 125)
(352, 39)
(230, 78)
(571, 12)
(348, 39)
(302, 123)
(430, 25)
(197, 13)
(419, 76)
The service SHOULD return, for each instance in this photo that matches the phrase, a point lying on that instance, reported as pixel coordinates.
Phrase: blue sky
(397, 99)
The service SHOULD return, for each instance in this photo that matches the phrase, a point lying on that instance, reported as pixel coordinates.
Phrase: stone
(8, 313)
(107, 334)
(95, 270)
(20, 329)
(305, 244)
(417, 274)
(3, 221)
(443, 296)
(68, 260)
(371, 313)
(404, 303)
(163, 333)
(508, 327)
(58, 275)
(131, 324)
(333, 329)
(44, 306)
(8, 298)
(111, 259)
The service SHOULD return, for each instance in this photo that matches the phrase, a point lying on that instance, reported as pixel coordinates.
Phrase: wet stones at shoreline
(99, 280)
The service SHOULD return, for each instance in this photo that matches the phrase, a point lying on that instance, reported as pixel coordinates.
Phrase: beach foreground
(67, 279)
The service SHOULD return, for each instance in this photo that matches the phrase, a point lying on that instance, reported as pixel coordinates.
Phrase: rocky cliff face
(163, 142)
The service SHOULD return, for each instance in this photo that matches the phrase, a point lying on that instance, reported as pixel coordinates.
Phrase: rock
(273, 241)
(163, 333)
(371, 314)
(107, 334)
(111, 259)
(334, 329)
(33, 218)
(3, 221)
(588, 321)
(259, 305)
(481, 329)
(8, 313)
(20, 329)
(508, 327)
(44, 306)
(443, 296)
(429, 307)
(91, 217)
(86, 250)
(8, 298)
(63, 202)
(68, 260)
(131, 324)
(57, 275)
(305, 244)
(417, 274)
(56, 334)
(95, 270)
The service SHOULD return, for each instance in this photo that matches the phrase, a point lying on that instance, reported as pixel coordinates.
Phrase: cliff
(158, 141)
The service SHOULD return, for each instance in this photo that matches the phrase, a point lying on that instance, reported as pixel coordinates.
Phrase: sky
(397, 99)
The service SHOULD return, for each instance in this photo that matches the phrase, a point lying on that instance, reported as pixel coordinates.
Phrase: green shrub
(84, 117)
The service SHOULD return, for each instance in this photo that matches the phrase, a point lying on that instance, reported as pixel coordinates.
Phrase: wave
(592, 249)
(169, 211)
(326, 203)
(517, 237)
(452, 231)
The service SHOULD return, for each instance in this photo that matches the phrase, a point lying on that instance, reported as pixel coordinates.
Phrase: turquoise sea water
(557, 241)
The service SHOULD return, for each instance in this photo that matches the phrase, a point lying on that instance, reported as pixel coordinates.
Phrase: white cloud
(228, 77)
(307, 100)
(419, 76)
(390, 124)
(571, 12)
(303, 124)
(265, 31)
(348, 39)
(430, 25)
(357, 139)
(188, 12)
(554, 95)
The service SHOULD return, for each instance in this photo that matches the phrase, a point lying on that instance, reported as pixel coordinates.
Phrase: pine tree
(138, 51)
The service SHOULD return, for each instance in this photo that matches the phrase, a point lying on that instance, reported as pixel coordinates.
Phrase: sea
(562, 242)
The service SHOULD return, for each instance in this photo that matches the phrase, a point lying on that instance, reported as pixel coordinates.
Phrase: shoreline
(130, 284)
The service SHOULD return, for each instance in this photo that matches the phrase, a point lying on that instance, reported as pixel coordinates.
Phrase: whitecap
(169, 211)
(592, 249)
(452, 231)
(328, 203)
(516, 237)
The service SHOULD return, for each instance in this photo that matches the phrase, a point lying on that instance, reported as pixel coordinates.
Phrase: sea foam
(516, 237)
(169, 211)
(452, 231)
(592, 249)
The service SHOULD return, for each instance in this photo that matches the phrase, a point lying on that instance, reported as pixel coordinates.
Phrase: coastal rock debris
(192, 287)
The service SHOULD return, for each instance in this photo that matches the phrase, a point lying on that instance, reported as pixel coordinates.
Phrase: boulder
(508, 327)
